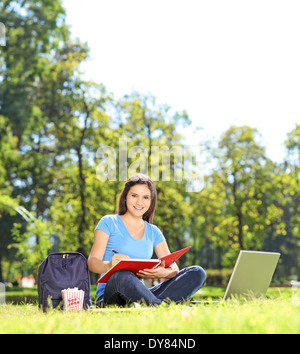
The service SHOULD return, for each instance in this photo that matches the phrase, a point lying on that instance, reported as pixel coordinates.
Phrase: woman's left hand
(159, 272)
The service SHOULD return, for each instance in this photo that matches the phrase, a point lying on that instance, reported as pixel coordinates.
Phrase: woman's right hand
(117, 257)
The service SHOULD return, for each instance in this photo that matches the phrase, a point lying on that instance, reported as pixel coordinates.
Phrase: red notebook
(135, 265)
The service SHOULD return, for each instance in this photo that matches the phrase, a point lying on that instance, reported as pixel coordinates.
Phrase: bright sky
(227, 62)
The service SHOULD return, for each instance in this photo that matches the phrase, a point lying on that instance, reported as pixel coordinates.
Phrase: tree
(237, 208)
(248, 182)
(289, 187)
(292, 189)
(8, 204)
(36, 39)
(74, 124)
(35, 29)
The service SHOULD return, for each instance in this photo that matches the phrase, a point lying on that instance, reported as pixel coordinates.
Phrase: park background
(55, 114)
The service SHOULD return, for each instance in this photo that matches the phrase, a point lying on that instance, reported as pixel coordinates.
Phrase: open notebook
(135, 265)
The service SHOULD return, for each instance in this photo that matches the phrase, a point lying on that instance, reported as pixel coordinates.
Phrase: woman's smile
(138, 208)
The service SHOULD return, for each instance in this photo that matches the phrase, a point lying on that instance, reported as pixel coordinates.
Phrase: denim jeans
(124, 287)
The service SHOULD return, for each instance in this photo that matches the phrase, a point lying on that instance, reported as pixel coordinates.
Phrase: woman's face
(138, 200)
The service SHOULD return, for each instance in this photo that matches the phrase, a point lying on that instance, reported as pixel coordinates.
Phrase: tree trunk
(1, 272)
(82, 224)
(238, 212)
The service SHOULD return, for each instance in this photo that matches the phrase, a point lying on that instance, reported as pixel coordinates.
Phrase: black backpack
(61, 271)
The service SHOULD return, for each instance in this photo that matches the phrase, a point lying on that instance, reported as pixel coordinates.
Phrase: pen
(115, 252)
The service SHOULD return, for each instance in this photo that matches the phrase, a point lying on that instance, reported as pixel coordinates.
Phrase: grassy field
(278, 313)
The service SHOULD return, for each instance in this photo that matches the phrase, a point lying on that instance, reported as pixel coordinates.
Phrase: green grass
(275, 314)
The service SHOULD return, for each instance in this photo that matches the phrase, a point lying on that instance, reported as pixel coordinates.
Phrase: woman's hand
(117, 257)
(159, 272)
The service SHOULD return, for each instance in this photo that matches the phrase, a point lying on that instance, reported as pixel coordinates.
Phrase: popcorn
(72, 299)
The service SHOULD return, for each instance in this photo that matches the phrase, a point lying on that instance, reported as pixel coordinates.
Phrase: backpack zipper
(64, 261)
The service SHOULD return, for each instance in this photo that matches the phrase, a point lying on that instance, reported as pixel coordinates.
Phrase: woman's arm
(95, 260)
(161, 250)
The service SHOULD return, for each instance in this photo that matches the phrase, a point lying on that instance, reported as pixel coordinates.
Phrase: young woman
(132, 234)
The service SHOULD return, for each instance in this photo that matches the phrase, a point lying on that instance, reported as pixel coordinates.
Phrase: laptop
(251, 276)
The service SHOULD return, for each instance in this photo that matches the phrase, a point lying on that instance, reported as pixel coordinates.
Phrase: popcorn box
(72, 299)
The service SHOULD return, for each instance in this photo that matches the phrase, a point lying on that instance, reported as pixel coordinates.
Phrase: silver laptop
(251, 276)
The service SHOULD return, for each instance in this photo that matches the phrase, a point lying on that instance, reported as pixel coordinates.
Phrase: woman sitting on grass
(132, 234)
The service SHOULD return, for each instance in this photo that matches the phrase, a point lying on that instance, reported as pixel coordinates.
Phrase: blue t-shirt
(121, 241)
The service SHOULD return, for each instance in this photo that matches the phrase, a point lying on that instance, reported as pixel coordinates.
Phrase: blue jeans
(124, 287)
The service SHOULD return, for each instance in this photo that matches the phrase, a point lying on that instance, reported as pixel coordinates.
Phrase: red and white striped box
(72, 299)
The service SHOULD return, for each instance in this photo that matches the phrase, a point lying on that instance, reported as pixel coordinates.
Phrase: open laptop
(251, 276)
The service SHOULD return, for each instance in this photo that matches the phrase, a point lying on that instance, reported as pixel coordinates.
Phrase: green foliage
(34, 244)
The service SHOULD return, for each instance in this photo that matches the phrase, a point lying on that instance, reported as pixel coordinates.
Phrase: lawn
(278, 313)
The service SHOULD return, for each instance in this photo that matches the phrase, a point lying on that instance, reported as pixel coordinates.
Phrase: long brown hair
(139, 178)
